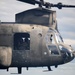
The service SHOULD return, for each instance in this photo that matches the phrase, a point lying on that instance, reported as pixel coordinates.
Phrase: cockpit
(56, 46)
(53, 39)
(57, 37)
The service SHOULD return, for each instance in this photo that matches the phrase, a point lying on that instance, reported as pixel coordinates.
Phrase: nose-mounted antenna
(47, 4)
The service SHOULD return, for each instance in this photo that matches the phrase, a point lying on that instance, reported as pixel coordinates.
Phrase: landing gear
(27, 68)
(7, 69)
(49, 68)
(56, 66)
(19, 70)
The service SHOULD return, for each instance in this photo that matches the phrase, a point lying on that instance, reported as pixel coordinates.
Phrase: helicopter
(34, 40)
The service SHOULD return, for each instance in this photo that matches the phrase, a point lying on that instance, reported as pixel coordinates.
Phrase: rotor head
(47, 4)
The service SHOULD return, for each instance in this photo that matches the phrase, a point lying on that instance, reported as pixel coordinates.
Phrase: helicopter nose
(68, 53)
(74, 53)
(69, 56)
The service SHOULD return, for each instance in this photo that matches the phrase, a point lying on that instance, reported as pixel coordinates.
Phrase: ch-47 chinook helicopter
(34, 40)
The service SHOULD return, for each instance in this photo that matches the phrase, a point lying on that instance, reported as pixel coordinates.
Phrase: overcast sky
(65, 17)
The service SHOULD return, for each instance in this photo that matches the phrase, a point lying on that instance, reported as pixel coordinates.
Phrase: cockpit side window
(21, 41)
(51, 44)
(53, 50)
(58, 38)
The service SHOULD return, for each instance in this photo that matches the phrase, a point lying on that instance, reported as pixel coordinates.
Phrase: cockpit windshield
(58, 38)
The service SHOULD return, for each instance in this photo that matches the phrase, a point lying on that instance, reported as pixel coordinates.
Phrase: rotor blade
(28, 1)
(60, 5)
(47, 4)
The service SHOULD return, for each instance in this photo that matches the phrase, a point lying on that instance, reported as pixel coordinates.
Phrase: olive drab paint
(33, 40)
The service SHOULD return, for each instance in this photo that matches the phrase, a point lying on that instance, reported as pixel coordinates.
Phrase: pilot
(23, 43)
(27, 42)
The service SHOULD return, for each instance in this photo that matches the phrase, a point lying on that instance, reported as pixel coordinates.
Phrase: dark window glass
(21, 41)
(53, 49)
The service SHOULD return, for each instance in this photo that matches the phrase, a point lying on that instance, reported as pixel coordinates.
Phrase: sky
(65, 21)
